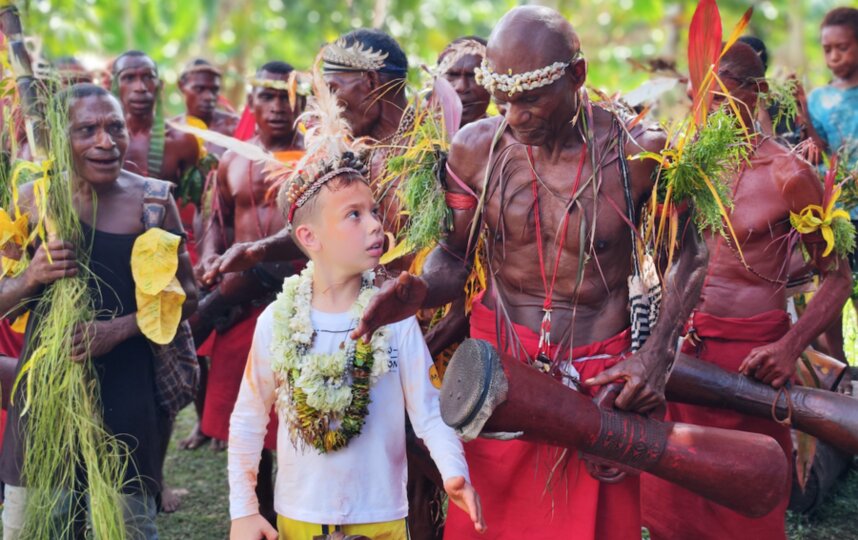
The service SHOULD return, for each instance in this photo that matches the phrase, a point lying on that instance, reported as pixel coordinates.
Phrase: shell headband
(519, 82)
(339, 56)
(458, 51)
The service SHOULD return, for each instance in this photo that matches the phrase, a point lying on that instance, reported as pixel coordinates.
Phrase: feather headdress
(330, 148)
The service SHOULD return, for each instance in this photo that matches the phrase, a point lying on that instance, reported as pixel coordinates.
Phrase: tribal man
(366, 69)
(156, 150)
(247, 212)
(200, 83)
(458, 63)
(740, 323)
(556, 179)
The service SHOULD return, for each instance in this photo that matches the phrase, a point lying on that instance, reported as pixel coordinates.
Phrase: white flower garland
(326, 380)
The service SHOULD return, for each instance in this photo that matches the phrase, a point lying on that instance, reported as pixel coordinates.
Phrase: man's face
(355, 93)
(348, 228)
(744, 94)
(138, 84)
(535, 117)
(475, 98)
(841, 50)
(201, 90)
(271, 108)
(98, 138)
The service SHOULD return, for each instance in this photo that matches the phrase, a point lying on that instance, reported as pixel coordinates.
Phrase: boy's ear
(306, 237)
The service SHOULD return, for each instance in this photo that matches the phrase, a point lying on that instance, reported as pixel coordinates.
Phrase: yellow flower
(815, 218)
(14, 231)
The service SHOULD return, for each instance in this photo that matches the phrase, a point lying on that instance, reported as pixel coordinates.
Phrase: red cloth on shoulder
(228, 359)
(512, 476)
(671, 512)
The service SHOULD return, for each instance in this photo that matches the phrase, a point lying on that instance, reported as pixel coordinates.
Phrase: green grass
(204, 514)
(835, 520)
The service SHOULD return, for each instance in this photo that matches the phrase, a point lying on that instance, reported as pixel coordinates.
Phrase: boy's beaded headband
(300, 192)
(519, 82)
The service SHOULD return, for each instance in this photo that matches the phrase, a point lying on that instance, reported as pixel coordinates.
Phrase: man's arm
(645, 373)
(775, 364)
(243, 256)
(212, 243)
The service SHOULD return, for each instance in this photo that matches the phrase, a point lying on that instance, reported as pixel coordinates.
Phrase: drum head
(467, 382)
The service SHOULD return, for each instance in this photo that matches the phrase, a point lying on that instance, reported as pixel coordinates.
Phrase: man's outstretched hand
(463, 495)
(238, 258)
(396, 300)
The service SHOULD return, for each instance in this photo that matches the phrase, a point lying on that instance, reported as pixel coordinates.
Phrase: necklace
(544, 350)
(324, 397)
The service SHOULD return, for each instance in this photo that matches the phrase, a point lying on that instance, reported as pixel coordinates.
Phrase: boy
(834, 108)
(341, 404)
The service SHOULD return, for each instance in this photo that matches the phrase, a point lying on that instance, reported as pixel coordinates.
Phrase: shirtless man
(154, 150)
(200, 83)
(532, 491)
(740, 323)
(136, 84)
(248, 213)
(374, 102)
(457, 63)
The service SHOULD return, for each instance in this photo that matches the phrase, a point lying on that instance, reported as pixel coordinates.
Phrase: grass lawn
(205, 510)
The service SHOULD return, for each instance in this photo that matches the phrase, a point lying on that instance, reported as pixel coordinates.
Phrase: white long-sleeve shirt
(365, 481)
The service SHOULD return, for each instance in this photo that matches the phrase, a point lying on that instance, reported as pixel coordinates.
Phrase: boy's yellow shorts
(291, 529)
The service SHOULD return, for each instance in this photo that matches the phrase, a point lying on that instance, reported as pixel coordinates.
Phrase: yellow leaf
(154, 260)
(20, 324)
(159, 314)
(828, 236)
(12, 231)
(396, 251)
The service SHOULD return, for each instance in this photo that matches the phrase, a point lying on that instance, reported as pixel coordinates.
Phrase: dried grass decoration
(71, 451)
(417, 163)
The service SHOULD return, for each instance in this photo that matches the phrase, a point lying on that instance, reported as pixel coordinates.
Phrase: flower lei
(324, 397)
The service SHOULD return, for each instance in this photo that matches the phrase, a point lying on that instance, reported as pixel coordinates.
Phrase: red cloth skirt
(513, 477)
(228, 359)
(671, 512)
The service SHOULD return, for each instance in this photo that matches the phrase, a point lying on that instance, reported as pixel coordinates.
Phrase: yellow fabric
(291, 529)
(198, 123)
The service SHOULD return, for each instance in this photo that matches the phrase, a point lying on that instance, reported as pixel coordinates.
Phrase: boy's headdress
(331, 151)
